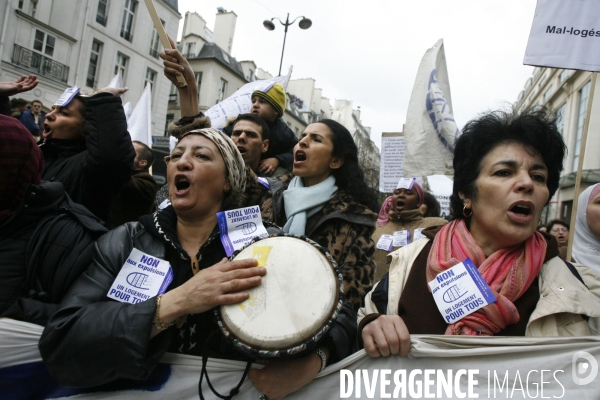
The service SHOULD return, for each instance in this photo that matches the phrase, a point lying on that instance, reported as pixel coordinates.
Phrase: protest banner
(391, 167)
(442, 367)
(564, 34)
(430, 130)
(240, 102)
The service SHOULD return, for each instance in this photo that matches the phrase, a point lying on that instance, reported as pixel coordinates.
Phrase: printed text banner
(565, 34)
(516, 364)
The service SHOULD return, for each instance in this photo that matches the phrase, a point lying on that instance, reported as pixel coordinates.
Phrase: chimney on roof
(224, 29)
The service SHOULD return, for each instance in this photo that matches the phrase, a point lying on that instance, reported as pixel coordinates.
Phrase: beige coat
(405, 220)
(563, 299)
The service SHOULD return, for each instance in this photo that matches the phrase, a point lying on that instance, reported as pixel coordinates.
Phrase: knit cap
(275, 96)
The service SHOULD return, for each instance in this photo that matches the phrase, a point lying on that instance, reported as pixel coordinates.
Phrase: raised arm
(176, 64)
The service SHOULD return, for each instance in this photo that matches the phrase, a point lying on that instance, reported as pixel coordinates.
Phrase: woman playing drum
(327, 200)
(506, 168)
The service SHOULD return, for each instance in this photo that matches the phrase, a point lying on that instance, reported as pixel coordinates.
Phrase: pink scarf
(509, 272)
(384, 213)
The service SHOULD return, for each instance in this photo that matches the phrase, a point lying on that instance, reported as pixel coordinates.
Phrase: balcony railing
(127, 35)
(101, 19)
(40, 64)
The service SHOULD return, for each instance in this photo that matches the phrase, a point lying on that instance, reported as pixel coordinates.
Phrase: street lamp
(304, 23)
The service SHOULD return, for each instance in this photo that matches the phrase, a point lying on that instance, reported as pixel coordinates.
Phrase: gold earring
(464, 212)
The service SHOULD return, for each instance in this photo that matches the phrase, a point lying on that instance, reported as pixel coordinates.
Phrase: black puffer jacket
(44, 246)
(93, 171)
(93, 340)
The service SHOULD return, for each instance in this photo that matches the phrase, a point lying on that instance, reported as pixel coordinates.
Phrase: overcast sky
(369, 51)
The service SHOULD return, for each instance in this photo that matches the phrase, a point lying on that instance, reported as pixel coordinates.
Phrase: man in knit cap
(269, 104)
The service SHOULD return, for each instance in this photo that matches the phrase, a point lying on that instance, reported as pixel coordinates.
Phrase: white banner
(240, 102)
(565, 34)
(441, 367)
(430, 130)
(391, 168)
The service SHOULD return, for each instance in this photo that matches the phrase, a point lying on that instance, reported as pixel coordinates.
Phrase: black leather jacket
(93, 340)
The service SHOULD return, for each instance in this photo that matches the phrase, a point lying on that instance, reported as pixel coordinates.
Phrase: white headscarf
(586, 245)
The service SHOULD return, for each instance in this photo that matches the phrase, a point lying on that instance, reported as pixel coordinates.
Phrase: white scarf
(586, 245)
(303, 202)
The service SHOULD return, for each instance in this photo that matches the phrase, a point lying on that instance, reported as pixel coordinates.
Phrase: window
(102, 13)
(154, 41)
(190, 50)
(543, 81)
(564, 75)
(584, 94)
(548, 94)
(560, 118)
(33, 8)
(170, 118)
(173, 94)
(150, 78)
(92, 74)
(222, 90)
(20, 4)
(251, 76)
(121, 65)
(198, 76)
(127, 22)
(44, 43)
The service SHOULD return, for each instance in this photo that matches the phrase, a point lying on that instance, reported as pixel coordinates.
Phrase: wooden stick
(160, 29)
(580, 167)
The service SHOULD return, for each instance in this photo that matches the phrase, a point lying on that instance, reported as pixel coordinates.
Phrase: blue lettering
(445, 275)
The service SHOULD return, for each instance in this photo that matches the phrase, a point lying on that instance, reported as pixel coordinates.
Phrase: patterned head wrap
(21, 164)
(234, 163)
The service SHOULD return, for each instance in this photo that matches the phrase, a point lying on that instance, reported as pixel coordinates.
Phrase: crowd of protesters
(77, 197)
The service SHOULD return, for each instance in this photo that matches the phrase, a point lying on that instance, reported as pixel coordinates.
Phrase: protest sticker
(238, 227)
(385, 242)
(419, 235)
(67, 96)
(142, 276)
(406, 183)
(401, 238)
(460, 291)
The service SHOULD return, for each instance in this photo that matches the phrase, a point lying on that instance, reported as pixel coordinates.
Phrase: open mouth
(181, 183)
(521, 209)
(242, 150)
(47, 130)
(300, 156)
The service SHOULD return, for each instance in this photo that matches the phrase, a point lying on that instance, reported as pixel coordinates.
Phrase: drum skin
(294, 306)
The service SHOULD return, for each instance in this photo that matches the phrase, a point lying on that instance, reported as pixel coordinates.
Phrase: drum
(296, 303)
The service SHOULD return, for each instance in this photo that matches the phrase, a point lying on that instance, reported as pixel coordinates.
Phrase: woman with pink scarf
(506, 169)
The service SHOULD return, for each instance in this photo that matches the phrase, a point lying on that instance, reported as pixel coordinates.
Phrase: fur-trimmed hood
(178, 128)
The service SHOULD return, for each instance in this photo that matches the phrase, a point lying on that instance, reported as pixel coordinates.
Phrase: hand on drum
(386, 335)
(223, 283)
(282, 377)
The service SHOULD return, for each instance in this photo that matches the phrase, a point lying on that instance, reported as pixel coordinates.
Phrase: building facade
(567, 93)
(85, 43)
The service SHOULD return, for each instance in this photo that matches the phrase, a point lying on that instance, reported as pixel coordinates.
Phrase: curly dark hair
(551, 224)
(535, 129)
(350, 176)
(433, 206)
